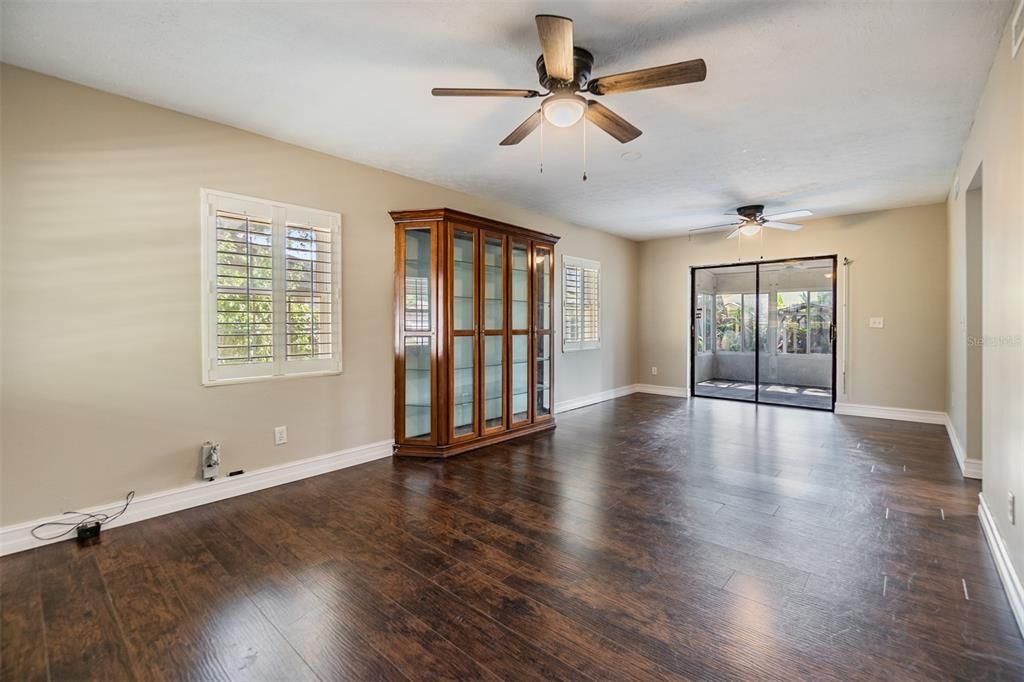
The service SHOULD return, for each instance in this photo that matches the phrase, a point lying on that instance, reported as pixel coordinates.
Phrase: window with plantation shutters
(272, 281)
(581, 304)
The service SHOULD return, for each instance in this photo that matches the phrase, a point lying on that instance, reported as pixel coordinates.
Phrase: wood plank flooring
(646, 538)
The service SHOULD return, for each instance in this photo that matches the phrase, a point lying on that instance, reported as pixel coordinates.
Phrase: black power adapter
(88, 532)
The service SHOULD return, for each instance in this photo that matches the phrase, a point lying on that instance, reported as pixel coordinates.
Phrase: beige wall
(898, 272)
(996, 144)
(101, 291)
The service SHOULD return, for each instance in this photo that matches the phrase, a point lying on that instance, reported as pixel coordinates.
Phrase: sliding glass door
(797, 367)
(765, 332)
(724, 364)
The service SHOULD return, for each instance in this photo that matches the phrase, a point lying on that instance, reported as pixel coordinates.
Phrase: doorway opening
(764, 332)
(973, 318)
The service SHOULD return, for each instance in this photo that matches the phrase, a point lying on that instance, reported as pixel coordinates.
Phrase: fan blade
(556, 43)
(692, 71)
(788, 214)
(715, 227)
(782, 226)
(482, 92)
(734, 233)
(524, 129)
(610, 122)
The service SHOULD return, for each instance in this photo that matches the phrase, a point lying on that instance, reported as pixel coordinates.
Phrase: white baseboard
(19, 537)
(1007, 573)
(970, 468)
(575, 403)
(672, 391)
(898, 413)
(619, 392)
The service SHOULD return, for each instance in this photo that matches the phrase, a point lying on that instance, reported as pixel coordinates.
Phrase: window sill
(582, 348)
(212, 383)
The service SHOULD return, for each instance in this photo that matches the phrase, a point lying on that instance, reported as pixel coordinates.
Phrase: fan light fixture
(564, 110)
(752, 219)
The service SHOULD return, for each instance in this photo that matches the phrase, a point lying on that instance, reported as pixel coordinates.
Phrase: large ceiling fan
(564, 71)
(752, 219)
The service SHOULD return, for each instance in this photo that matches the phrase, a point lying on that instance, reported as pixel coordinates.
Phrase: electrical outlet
(876, 322)
(654, 371)
(280, 435)
(1012, 508)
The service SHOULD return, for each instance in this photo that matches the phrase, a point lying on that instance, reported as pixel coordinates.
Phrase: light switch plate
(876, 322)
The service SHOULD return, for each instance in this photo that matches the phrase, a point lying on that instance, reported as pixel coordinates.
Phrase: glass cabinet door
(464, 332)
(519, 353)
(493, 351)
(542, 288)
(417, 334)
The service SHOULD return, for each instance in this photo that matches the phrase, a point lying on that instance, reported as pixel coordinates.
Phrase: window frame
(808, 331)
(706, 330)
(720, 306)
(570, 346)
(280, 367)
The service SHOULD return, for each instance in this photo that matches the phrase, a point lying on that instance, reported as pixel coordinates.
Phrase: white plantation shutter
(572, 295)
(309, 287)
(244, 288)
(272, 301)
(581, 304)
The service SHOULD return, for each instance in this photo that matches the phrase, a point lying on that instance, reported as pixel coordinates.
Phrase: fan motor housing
(583, 64)
(752, 212)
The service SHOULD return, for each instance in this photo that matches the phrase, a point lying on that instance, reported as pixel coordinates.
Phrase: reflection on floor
(777, 394)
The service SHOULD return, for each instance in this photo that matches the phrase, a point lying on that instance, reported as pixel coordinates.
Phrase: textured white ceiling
(834, 106)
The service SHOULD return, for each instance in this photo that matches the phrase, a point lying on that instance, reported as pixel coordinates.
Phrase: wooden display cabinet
(474, 330)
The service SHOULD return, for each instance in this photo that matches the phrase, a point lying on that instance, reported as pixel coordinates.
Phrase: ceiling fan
(752, 219)
(564, 71)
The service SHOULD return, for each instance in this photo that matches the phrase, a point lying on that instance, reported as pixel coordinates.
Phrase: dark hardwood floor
(646, 538)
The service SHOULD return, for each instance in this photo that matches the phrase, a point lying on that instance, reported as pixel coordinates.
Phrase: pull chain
(542, 145)
(584, 149)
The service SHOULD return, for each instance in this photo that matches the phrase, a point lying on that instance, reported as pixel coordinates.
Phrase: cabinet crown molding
(461, 217)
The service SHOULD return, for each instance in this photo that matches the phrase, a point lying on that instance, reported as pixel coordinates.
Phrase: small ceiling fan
(564, 71)
(752, 219)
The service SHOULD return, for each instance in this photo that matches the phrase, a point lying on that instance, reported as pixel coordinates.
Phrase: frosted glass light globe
(750, 229)
(565, 110)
